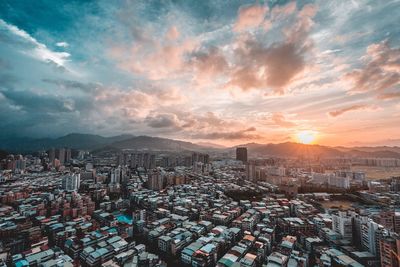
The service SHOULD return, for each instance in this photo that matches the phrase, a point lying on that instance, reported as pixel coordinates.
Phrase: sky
(223, 72)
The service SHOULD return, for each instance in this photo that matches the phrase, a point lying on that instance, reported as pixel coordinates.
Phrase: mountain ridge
(143, 142)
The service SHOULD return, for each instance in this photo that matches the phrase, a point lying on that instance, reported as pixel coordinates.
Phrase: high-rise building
(251, 171)
(68, 155)
(199, 157)
(120, 159)
(241, 154)
(369, 235)
(146, 160)
(61, 155)
(152, 162)
(115, 176)
(156, 180)
(71, 182)
(165, 161)
(52, 155)
(389, 247)
(56, 163)
(20, 163)
(390, 220)
(124, 175)
(132, 162)
(139, 160)
(342, 224)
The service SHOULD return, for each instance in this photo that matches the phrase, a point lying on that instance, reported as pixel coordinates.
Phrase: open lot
(344, 204)
(376, 173)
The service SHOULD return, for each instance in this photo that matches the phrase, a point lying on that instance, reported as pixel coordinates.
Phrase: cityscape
(200, 133)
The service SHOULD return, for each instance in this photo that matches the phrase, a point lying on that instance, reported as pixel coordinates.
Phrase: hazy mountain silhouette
(156, 143)
(73, 140)
(119, 142)
(295, 150)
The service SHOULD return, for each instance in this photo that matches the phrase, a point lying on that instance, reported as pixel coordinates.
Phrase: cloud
(199, 126)
(172, 34)
(341, 111)
(209, 64)
(37, 49)
(155, 63)
(259, 66)
(62, 44)
(250, 16)
(5, 64)
(280, 120)
(211, 120)
(168, 95)
(380, 71)
(38, 103)
(191, 122)
(388, 96)
(7, 81)
(71, 84)
(151, 54)
(147, 105)
(232, 135)
(163, 121)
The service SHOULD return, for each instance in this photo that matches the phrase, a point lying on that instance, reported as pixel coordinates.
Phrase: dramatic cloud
(173, 33)
(154, 57)
(347, 109)
(276, 65)
(381, 69)
(387, 96)
(209, 64)
(38, 103)
(280, 120)
(250, 16)
(36, 49)
(163, 121)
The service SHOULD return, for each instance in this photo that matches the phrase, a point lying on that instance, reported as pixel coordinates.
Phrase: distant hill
(370, 148)
(156, 143)
(294, 150)
(73, 140)
(99, 143)
(211, 145)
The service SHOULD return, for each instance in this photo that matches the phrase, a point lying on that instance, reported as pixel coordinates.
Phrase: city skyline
(224, 72)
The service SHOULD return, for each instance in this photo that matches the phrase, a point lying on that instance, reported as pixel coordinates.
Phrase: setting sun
(306, 137)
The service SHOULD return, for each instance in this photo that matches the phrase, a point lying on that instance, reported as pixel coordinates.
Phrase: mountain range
(290, 149)
(73, 140)
(119, 142)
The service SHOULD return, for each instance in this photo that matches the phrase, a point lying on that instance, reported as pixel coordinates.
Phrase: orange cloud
(381, 69)
(347, 109)
(388, 96)
(153, 58)
(172, 34)
(209, 64)
(280, 120)
(250, 16)
(259, 67)
(274, 66)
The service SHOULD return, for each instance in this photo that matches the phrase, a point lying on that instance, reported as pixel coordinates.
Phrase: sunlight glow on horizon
(307, 137)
